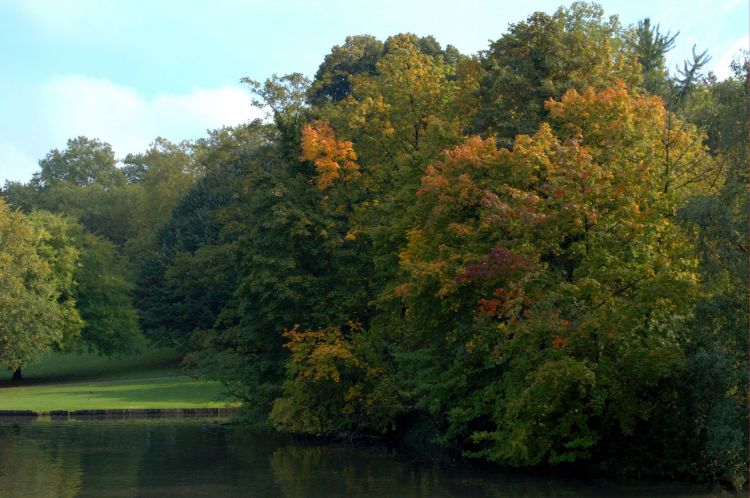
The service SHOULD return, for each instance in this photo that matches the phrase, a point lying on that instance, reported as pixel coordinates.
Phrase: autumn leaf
(334, 160)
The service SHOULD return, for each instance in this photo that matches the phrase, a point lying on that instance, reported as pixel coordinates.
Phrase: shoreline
(123, 413)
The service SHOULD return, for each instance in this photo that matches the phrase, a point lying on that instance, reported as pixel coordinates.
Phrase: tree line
(534, 256)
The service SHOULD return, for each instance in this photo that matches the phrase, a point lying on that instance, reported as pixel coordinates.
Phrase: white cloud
(224, 105)
(72, 105)
(79, 105)
(98, 108)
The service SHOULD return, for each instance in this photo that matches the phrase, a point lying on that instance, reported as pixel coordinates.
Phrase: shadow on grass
(74, 367)
(167, 394)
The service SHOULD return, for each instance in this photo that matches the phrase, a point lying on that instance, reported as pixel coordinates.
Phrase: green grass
(59, 367)
(81, 381)
(173, 392)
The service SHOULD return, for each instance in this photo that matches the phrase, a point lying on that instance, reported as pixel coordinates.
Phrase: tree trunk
(17, 375)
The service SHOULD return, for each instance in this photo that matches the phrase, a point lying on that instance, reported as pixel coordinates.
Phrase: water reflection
(30, 467)
(196, 458)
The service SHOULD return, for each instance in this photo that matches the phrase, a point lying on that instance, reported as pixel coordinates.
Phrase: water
(199, 458)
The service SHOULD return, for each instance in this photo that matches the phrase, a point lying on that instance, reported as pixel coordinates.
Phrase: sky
(128, 71)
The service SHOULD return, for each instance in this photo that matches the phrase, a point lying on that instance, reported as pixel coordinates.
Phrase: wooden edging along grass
(125, 413)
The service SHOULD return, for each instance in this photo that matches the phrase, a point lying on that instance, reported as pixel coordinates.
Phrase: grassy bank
(76, 381)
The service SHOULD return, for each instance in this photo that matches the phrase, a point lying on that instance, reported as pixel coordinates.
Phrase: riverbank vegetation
(536, 255)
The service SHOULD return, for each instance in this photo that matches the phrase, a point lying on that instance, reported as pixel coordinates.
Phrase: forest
(534, 256)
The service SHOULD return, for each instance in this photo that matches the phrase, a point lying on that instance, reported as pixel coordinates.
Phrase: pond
(201, 458)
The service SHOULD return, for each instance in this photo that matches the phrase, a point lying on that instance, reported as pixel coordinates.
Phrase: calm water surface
(198, 458)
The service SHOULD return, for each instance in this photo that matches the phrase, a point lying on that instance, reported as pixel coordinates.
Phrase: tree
(95, 287)
(285, 99)
(20, 196)
(82, 182)
(36, 306)
(394, 121)
(401, 109)
(334, 160)
(543, 57)
(358, 55)
(59, 247)
(187, 275)
(547, 286)
(253, 202)
(104, 298)
(184, 284)
(331, 385)
(84, 162)
(166, 172)
(651, 46)
(716, 341)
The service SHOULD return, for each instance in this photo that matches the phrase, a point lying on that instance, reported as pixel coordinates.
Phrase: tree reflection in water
(173, 458)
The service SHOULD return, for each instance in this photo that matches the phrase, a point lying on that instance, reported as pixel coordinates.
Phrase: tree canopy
(37, 310)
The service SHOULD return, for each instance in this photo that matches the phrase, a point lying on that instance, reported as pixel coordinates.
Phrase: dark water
(175, 458)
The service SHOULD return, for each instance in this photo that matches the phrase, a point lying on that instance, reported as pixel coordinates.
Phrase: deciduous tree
(36, 306)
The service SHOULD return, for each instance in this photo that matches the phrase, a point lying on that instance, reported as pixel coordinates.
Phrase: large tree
(552, 284)
(83, 182)
(83, 162)
(36, 304)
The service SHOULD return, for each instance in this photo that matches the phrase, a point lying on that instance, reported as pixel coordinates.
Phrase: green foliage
(95, 290)
(190, 273)
(285, 99)
(84, 162)
(543, 57)
(717, 340)
(165, 173)
(182, 287)
(358, 55)
(58, 246)
(315, 281)
(650, 47)
(82, 183)
(331, 385)
(103, 212)
(36, 303)
(104, 299)
(531, 306)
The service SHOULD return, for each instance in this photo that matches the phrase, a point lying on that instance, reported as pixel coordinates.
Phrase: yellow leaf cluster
(334, 159)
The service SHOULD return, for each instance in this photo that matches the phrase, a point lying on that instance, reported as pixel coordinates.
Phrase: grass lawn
(81, 381)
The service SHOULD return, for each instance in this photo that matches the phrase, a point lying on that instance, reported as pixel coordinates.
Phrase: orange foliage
(488, 307)
(559, 342)
(333, 159)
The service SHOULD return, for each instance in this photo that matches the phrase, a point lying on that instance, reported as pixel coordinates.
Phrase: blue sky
(127, 71)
